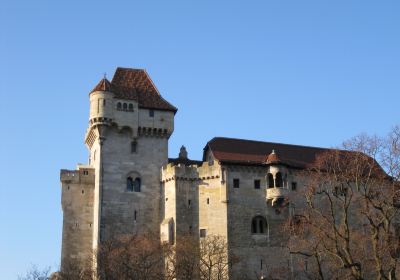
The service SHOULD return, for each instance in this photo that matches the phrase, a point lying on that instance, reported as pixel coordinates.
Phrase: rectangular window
(236, 183)
(294, 186)
(133, 147)
(189, 202)
(257, 184)
(208, 201)
(203, 233)
(85, 172)
(151, 113)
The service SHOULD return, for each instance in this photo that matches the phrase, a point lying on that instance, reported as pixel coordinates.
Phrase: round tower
(101, 104)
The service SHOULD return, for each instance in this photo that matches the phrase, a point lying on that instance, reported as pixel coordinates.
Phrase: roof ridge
(266, 142)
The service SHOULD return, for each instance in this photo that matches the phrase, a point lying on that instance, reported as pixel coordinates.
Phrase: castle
(130, 185)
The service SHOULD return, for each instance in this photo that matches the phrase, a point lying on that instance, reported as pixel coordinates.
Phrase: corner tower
(127, 138)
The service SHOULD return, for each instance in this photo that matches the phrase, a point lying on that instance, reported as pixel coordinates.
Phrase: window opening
(133, 146)
(236, 183)
(270, 180)
(137, 185)
(257, 184)
(278, 180)
(203, 233)
(259, 225)
(129, 184)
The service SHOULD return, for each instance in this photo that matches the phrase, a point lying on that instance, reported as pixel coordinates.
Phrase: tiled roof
(135, 84)
(273, 158)
(248, 152)
(103, 85)
(255, 152)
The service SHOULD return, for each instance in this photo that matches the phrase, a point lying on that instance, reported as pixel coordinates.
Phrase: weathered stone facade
(130, 186)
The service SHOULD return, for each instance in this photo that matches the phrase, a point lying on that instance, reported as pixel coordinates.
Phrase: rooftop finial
(105, 75)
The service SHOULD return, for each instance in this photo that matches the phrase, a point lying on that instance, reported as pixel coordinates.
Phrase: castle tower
(127, 138)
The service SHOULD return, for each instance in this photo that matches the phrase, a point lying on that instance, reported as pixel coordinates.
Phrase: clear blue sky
(303, 72)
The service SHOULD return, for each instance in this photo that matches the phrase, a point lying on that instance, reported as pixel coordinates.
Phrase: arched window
(137, 185)
(125, 106)
(259, 225)
(130, 107)
(278, 180)
(119, 105)
(270, 180)
(129, 184)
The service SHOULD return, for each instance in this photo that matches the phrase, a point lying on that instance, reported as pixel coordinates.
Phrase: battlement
(83, 174)
(195, 172)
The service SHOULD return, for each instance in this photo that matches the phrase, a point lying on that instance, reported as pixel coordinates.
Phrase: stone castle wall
(77, 203)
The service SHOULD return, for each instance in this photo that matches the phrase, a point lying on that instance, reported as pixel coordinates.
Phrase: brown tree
(348, 226)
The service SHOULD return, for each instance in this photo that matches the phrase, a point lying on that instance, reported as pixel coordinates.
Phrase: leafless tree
(213, 256)
(348, 227)
(34, 273)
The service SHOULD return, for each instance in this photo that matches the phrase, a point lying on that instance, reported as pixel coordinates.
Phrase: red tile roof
(248, 152)
(135, 84)
(255, 152)
(103, 85)
(273, 158)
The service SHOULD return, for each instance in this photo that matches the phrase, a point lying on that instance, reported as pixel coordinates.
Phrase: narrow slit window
(133, 146)
(236, 183)
(257, 184)
(294, 186)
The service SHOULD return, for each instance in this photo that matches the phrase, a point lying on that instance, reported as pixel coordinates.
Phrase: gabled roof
(248, 152)
(242, 151)
(135, 84)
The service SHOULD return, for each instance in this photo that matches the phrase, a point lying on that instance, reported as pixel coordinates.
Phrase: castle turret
(101, 103)
(127, 137)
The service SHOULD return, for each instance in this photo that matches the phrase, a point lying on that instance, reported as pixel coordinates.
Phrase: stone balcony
(276, 194)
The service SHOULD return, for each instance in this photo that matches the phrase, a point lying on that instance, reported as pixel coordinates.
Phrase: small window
(203, 233)
(236, 183)
(133, 146)
(85, 172)
(134, 216)
(137, 185)
(125, 106)
(83, 191)
(129, 184)
(151, 113)
(270, 179)
(131, 107)
(208, 201)
(278, 180)
(294, 186)
(257, 184)
(189, 202)
(104, 102)
(119, 106)
(259, 225)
